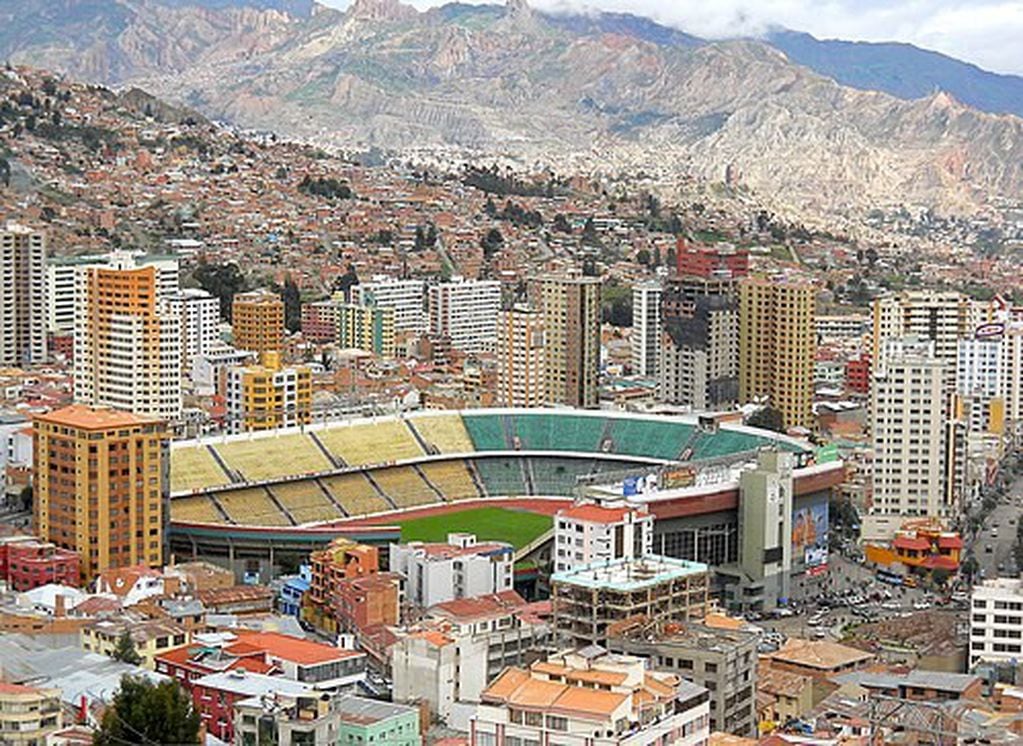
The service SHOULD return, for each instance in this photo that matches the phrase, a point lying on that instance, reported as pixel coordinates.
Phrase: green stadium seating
(452, 478)
(486, 431)
(273, 457)
(305, 501)
(652, 438)
(195, 508)
(501, 476)
(404, 486)
(355, 494)
(370, 442)
(252, 507)
(723, 443)
(193, 468)
(559, 432)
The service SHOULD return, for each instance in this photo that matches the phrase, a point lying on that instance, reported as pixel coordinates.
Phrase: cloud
(985, 32)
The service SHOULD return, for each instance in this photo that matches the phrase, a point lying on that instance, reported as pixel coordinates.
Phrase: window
(557, 723)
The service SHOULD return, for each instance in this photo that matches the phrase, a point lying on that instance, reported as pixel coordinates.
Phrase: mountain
(611, 92)
(902, 70)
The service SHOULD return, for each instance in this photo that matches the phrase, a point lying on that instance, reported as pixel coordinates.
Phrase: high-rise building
(571, 316)
(699, 355)
(940, 316)
(320, 322)
(908, 415)
(268, 395)
(101, 486)
(127, 352)
(777, 345)
(199, 313)
(996, 617)
(980, 383)
(404, 296)
(722, 262)
(465, 311)
(368, 328)
(66, 280)
(646, 327)
(521, 380)
(257, 321)
(23, 308)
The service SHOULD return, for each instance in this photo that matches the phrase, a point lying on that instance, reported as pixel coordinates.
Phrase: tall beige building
(23, 309)
(940, 316)
(777, 345)
(912, 461)
(521, 380)
(570, 307)
(127, 352)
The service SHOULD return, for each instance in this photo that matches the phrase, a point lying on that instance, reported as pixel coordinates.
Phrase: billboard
(810, 533)
(674, 478)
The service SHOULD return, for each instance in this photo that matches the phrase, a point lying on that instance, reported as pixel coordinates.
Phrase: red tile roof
(595, 514)
(286, 647)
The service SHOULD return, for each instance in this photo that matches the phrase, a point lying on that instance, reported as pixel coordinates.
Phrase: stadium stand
(501, 476)
(557, 476)
(194, 468)
(445, 432)
(305, 501)
(195, 508)
(252, 506)
(355, 494)
(558, 432)
(724, 442)
(404, 486)
(653, 438)
(371, 442)
(291, 455)
(487, 432)
(452, 478)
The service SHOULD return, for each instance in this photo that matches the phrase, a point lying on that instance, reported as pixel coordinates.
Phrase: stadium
(261, 501)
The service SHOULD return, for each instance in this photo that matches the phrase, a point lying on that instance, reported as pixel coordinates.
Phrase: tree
(221, 280)
(125, 650)
(767, 418)
(940, 576)
(146, 713)
(292, 305)
(5, 172)
(643, 257)
(25, 497)
(345, 282)
(492, 243)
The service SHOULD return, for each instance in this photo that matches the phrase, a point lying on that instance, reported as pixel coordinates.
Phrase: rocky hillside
(624, 92)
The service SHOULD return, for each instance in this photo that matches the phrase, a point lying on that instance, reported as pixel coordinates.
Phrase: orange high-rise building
(257, 321)
(101, 486)
(127, 351)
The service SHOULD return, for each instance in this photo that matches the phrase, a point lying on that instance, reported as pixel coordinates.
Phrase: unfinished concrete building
(587, 599)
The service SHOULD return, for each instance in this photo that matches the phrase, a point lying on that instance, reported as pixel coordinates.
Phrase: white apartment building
(406, 297)
(520, 349)
(646, 328)
(461, 568)
(589, 532)
(591, 698)
(907, 410)
(466, 311)
(979, 381)
(841, 326)
(23, 298)
(996, 621)
(200, 323)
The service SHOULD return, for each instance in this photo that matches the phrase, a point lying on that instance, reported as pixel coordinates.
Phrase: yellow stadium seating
(197, 508)
(405, 486)
(452, 479)
(447, 432)
(194, 468)
(355, 494)
(252, 507)
(371, 442)
(305, 501)
(272, 457)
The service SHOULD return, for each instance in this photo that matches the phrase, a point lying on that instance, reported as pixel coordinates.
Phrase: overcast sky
(985, 32)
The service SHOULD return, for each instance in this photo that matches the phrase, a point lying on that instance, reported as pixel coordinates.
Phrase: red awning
(911, 542)
(939, 562)
(950, 542)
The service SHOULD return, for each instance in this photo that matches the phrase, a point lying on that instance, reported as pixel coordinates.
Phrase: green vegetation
(125, 650)
(516, 527)
(767, 418)
(328, 188)
(221, 280)
(144, 712)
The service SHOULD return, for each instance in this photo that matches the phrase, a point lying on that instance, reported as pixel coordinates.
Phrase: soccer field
(516, 527)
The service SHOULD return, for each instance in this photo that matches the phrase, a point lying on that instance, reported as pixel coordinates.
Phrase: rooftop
(591, 513)
(938, 680)
(239, 681)
(819, 654)
(286, 647)
(362, 711)
(85, 417)
(630, 575)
